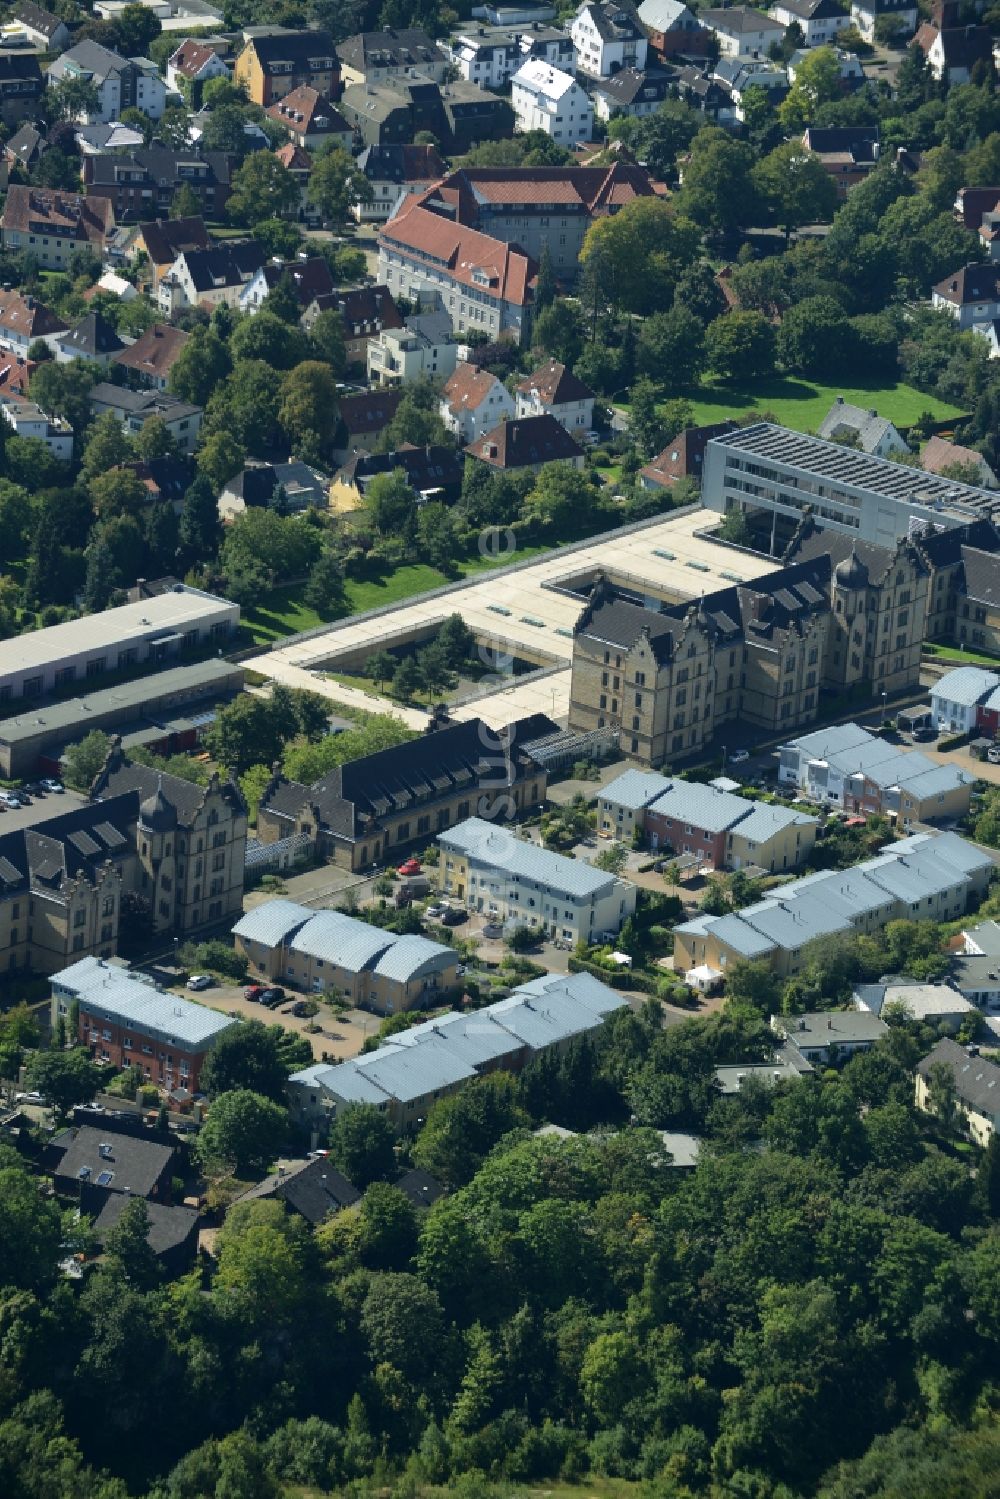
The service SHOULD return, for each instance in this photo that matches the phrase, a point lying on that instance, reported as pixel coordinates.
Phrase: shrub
(218, 957)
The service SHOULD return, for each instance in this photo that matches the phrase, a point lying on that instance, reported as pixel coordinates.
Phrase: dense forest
(823, 1289)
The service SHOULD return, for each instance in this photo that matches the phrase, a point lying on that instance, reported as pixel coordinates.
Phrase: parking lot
(42, 808)
(340, 1035)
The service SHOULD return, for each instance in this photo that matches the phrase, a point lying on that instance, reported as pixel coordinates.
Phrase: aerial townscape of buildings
(499, 748)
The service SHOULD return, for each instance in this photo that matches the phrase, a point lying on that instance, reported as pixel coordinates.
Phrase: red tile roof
(190, 58)
(41, 208)
(27, 317)
(683, 458)
(294, 158)
(595, 190)
(471, 258)
(468, 388)
(155, 353)
(524, 443)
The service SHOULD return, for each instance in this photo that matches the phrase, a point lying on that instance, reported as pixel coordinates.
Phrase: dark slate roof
(420, 1187)
(120, 775)
(354, 795)
(25, 144)
(944, 548)
(311, 278)
(169, 1227)
(971, 283)
(22, 66)
(227, 264)
(982, 576)
(165, 239)
(93, 335)
(977, 1081)
(389, 49)
(135, 1165)
(813, 10)
(616, 22)
(370, 411)
(311, 1188)
(37, 18)
(293, 46)
(426, 469)
(630, 84)
(78, 842)
(401, 163)
(524, 442)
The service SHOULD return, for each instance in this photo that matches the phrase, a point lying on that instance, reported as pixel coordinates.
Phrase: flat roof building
(137, 707)
(769, 468)
(124, 639)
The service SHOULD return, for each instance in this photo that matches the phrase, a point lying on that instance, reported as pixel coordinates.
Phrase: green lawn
(960, 656)
(802, 404)
(283, 612)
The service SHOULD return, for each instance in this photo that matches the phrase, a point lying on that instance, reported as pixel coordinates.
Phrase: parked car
(739, 757)
(34, 788)
(435, 912)
(253, 991)
(9, 799)
(409, 866)
(924, 734)
(493, 931)
(56, 787)
(271, 996)
(454, 916)
(31, 1097)
(200, 981)
(300, 1009)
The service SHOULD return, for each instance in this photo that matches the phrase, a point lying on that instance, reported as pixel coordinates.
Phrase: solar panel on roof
(109, 836)
(83, 843)
(105, 1178)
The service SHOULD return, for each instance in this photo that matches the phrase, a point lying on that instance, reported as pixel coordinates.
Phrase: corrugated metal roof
(116, 995)
(497, 847)
(337, 938)
(411, 956)
(634, 789)
(965, 685)
(272, 922)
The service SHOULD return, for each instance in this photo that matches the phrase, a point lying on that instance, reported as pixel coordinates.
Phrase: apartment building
(50, 224)
(21, 87)
(330, 951)
(121, 82)
(536, 207)
(845, 766)
(207, 278)
(742, 31)
(26, 419)
(271, 66)
(367, 811)
(395, 172)
(424, 348)
(126, 1021)
(379, 56)
(511, 879)
(143, 183)
(485, 285)
(491, 55)
(607, 37)
(714, 826)
(547, 99)
(770, 470)
(134, 408)
(672, 679)
(406, 1075)
(925, 877)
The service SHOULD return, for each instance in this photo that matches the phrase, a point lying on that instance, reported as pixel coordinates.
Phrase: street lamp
(884, 696)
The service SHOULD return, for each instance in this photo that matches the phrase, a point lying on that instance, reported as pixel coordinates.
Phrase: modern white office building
(128, 639)
(785, 474)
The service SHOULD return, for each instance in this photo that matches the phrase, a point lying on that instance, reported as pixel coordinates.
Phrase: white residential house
(210, 277)
(29, 420)
(865, 13)
(742, 31)
(474, 402)
(553, 390)
(821, 21)
(121, 82)
(956, 696)
(971, 294)
(194, 62)
(608, 37)
(424, 346)
(863, 429)
(545, 98)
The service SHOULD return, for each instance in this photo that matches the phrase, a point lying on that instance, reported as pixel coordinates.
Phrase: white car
(993, 754)
(739, 757)
(9, 799)
(200, 981)
(29, 1098)
(56, 787)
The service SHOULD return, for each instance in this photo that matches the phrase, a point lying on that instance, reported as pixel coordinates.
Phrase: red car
(253, 991)
(409, 866)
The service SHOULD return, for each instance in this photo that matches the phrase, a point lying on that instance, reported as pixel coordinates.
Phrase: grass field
(283, 612)
(962, 657)
(802, 404)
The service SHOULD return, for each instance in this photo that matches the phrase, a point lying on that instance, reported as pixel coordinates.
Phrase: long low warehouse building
(323, 950)
(925, 877)
(158, 711)
(126, 639)
(409, 1073)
